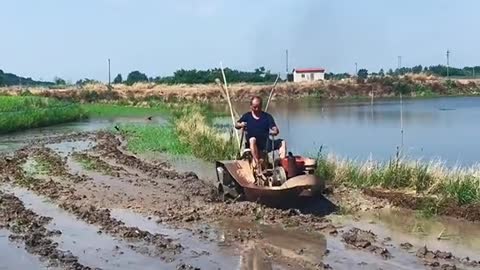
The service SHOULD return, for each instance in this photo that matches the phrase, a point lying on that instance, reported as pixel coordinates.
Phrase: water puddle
(65, 149)
(13, 256)
(460, 237)
(82, 239)
(202, 254)
(183, 164)
(317, 248)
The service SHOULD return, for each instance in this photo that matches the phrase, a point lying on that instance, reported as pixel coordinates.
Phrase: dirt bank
(380, 87)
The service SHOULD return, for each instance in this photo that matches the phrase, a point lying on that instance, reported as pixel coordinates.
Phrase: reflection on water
(439, 233)
(437, 128)
(12, 141)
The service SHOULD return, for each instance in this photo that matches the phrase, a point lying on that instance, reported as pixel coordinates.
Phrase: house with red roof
(308, 74)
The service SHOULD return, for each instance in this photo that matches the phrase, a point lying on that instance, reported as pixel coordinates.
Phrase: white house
(308, 74)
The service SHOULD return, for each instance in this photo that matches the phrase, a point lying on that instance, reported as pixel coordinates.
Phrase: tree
(362, 73)
(390, 72)
(118, 79)
(136, 76)
(59, 81)
(381, 73)
(1, 77)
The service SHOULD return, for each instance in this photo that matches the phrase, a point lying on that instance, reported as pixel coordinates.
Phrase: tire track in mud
(192, 201)
(64, 195)
(29, 228)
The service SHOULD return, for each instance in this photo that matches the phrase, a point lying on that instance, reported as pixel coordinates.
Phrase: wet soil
(447, 208)
(177, 218)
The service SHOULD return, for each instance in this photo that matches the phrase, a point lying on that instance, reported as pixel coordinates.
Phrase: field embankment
(19, 113)
(426, 186)
(409, 85)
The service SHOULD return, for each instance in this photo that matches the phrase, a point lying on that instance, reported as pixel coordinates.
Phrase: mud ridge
(96, 163)
(29, 228)
(110, 146)
(365, 240)
(443, 260)
(67, 199)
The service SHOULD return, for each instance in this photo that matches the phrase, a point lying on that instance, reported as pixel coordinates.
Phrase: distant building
(308, 74)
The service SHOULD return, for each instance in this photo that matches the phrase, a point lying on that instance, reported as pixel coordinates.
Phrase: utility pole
(109, 72)
(286, 62)
(399, 62)
(448, 64)
(356, 69)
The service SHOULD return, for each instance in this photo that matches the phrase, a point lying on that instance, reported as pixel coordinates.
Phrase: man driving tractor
(258, 125)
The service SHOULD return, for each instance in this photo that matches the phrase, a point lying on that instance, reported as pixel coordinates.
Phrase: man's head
(256, 104)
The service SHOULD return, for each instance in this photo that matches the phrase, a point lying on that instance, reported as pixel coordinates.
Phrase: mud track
(118, 179)
(29, 228)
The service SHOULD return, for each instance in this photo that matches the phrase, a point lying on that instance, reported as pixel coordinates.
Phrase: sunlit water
(436, 128)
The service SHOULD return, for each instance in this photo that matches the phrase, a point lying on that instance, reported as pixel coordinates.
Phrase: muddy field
(81, 201)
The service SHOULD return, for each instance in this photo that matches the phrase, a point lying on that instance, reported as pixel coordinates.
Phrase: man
(259, 125)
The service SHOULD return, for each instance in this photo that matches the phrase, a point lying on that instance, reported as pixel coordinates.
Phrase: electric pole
(356, 69)
(109, 72)
(448, 64)
(286, 64)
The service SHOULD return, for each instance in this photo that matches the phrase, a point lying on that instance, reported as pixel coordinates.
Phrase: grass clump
(145, 138)
(189, 132)
(431, 180)
(23, 112)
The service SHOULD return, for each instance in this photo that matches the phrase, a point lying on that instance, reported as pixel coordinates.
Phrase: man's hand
(274, 131)
(240, 125)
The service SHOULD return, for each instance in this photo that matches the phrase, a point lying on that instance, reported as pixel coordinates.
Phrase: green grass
(143, 139)
(20, 113)
(461, 185)
(188, 133)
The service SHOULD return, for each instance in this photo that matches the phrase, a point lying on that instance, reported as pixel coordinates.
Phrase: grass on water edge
(24, 112)
(431, 180)
(188, 132)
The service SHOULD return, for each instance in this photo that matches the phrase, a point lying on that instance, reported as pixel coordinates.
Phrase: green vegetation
(188, 133)
(7, 79)
(18, 113)
(429, 180)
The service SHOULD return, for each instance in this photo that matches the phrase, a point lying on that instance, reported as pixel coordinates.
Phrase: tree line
(194, 76)
(438, 70)
(259, 75)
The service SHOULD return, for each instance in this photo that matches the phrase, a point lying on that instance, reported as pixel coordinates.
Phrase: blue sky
(74, 38)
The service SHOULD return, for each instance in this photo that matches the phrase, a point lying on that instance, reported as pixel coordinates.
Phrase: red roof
(309, 70)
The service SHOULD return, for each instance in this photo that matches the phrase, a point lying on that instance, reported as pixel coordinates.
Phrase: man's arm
(273, 127)
(241, 123)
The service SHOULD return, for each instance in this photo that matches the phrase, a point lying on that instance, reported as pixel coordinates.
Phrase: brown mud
(293, 238)
(29, 228)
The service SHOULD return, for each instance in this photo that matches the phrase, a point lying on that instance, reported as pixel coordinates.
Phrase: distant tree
(381, 73)
(86, 81)
(118, 79)
(136, 76)
(390, 72)
(362, 73)
(417, 69)
(59, 81)
(1, 77)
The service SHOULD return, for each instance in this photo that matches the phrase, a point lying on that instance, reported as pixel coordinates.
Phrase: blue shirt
(258, 128)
